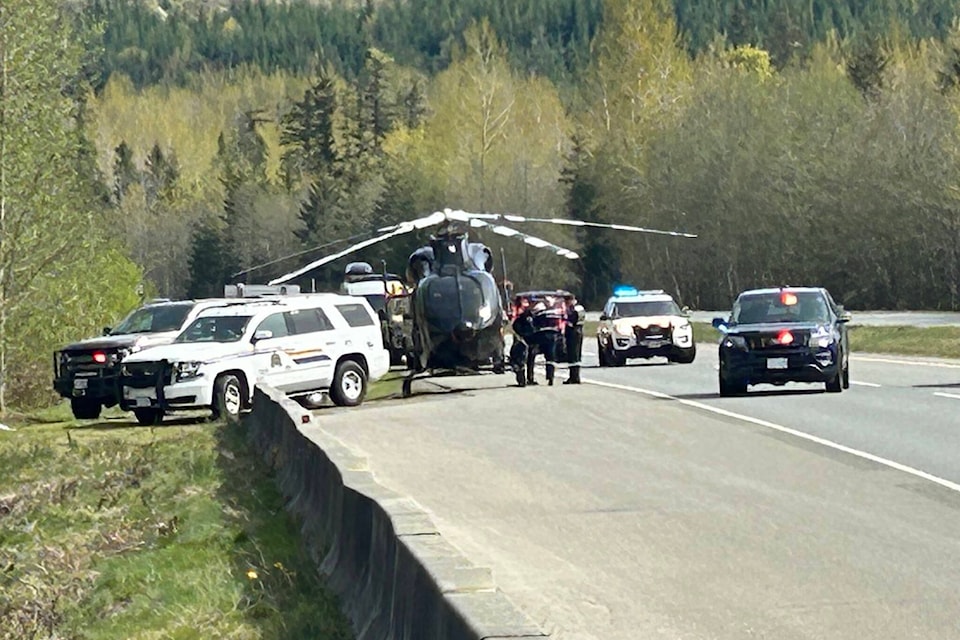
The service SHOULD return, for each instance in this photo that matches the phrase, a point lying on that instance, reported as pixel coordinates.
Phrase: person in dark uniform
(522, 351)
(538, 328)
(573, 339)
(548, 319)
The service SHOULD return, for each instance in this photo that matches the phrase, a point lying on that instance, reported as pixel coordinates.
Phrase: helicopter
(458, 312)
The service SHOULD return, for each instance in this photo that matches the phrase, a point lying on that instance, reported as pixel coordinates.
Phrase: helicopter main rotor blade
(533, 241)
(386, 232)
(507, 217)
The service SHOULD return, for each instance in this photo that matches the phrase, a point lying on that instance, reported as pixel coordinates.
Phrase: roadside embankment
(396, 576)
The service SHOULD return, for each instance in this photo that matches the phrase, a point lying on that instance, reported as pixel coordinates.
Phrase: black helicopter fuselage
(457, 309)
(459, 319)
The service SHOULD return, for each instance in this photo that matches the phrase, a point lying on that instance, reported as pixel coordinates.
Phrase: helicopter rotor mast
(475, 220)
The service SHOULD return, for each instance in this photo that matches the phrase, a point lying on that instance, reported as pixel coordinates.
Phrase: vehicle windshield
(645, 308)
(215, 329)
(377, 301)
(786, 306)
(168, 317)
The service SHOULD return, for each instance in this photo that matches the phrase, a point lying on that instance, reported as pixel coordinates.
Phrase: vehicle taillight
(785, 337)
(99, 357)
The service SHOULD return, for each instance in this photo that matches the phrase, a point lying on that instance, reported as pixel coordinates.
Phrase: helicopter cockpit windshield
(461, 299)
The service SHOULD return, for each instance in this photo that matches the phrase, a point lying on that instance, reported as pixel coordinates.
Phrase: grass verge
(108, 530)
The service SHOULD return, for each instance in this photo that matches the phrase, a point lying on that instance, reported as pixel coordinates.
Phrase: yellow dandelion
(278, 565)
(252, 574)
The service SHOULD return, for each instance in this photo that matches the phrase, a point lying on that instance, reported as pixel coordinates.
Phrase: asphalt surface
(865, 318)
(642, 505)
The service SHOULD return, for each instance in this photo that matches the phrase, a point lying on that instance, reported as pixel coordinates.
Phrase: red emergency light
(785, 337)
(99, 357)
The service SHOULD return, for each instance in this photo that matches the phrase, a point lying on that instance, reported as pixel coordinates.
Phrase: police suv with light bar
(789, 334)
(643, 324)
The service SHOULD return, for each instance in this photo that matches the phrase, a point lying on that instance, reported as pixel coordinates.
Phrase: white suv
(301, 345)
(644, 324)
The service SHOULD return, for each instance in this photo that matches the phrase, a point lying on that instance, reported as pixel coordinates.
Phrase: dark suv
(790, 334)
(87, 371)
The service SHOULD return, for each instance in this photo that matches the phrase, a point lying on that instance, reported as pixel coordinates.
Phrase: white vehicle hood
(191, 352)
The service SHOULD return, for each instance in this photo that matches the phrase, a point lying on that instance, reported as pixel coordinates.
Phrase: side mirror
(263, 334)
(845, 316)
(604, 317)
(106, 330)
(720, 324)
(685, 311)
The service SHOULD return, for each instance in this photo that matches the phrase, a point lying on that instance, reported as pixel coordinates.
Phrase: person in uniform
(538, 328)
(573, 339)
(548, 320)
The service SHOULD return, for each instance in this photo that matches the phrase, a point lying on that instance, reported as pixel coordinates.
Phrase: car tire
(602, 354)
(148, 417)
(615, 358)
(835, 384)
(684, 356)
(731, 387)
(227, 397)
(846, 376)
(85, 408)
(349, 384)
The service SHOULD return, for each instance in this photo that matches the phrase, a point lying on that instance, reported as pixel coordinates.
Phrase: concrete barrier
(396, 576)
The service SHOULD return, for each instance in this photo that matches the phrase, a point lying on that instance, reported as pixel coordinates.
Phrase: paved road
(865, 318)
(643, 505)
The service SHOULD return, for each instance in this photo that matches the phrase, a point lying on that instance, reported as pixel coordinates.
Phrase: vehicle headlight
(735, 342)
(822, 337)
(683, 326)
(485, 312)
(187, 370)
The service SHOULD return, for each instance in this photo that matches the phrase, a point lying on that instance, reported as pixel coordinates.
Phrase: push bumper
(754, 368)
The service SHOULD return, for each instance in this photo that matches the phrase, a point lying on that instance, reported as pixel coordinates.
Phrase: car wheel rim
(351, 385)
(231, 399)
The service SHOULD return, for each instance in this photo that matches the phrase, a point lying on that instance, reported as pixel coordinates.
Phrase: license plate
(80, 383)
(776, 363)
(143, 402)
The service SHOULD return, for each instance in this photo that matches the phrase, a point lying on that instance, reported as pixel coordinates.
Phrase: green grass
(113, 531)
(386, 387)
(942, 342)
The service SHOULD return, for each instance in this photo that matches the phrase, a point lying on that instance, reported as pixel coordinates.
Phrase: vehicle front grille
(71, 363)
(768, 341)
(144, 375)
(655, 332)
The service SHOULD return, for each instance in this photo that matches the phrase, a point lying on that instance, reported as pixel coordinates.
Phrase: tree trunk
(3, 214)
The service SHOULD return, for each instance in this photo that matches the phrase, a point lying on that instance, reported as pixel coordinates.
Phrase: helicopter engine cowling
(480, 256)
(419, 264)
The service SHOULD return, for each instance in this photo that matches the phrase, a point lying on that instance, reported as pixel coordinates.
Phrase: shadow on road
(749, 394)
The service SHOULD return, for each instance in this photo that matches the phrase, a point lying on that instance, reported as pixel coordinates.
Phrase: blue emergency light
(624, 290)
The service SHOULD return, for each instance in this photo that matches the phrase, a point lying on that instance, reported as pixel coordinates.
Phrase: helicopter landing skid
(406, 386)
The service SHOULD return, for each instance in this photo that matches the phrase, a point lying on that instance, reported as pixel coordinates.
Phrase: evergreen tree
(866, 65)
(124, 171)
